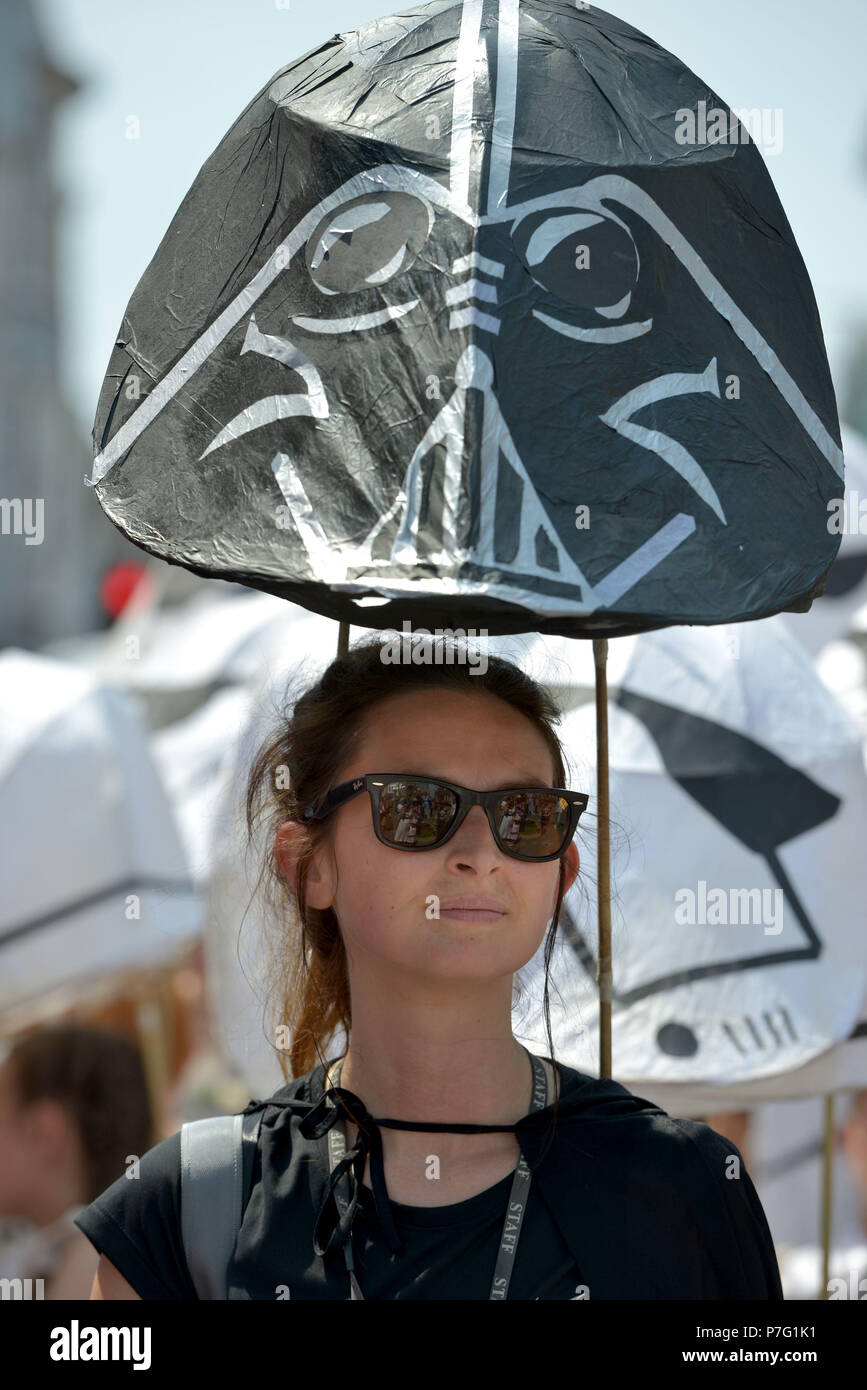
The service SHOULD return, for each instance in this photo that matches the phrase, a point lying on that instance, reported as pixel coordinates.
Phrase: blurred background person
(734, 1125)
(73, 1107)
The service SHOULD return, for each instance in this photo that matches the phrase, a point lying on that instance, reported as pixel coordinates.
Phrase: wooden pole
(343, 639)
(603, 886)
(827, 1189)
(149, 1017)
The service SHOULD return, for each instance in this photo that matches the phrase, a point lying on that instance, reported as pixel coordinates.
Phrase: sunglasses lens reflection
(416, 813)
(419, 814)
(533, 822)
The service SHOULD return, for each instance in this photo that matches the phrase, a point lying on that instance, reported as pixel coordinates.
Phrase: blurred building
(53, 556)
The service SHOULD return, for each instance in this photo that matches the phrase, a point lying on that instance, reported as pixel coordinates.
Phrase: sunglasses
(414, 812)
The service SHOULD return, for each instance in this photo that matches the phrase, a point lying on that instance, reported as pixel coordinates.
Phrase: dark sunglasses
(415, 812)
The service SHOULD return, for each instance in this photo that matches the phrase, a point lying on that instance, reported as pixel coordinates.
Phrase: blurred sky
(187, 68)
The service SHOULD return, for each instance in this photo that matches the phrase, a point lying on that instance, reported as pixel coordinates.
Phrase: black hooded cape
(651, 1207)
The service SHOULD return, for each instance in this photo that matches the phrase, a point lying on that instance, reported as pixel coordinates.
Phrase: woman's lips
(471, 914)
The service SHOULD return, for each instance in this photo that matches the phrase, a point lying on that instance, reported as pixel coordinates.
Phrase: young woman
(438, 1159)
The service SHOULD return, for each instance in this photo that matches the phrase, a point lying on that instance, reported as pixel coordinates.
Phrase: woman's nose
(474, 833)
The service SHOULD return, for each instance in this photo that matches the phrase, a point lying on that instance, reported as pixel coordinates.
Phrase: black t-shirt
(713, 1242)
(450, 1251)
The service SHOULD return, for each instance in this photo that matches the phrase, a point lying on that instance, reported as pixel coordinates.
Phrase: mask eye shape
(367, 242)
(583, 258)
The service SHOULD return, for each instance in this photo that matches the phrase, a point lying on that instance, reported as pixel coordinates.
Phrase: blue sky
(187, 68)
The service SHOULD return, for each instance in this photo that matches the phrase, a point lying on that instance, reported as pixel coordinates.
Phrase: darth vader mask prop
(456, 325)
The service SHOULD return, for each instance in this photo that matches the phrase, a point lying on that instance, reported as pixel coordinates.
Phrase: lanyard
(517, 1196)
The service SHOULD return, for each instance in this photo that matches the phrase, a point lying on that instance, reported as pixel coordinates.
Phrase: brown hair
(297, 764)
(100, 1080)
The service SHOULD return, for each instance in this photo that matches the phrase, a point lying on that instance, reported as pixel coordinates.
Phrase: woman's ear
(571, 867)
(290, 842)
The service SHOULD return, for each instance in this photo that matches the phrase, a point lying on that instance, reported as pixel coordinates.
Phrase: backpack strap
(217, 1163)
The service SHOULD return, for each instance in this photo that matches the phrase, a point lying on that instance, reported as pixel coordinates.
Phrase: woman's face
(385, 899)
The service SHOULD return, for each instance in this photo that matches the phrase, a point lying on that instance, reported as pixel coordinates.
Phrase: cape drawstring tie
(332, 1228)
(331, 1235)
